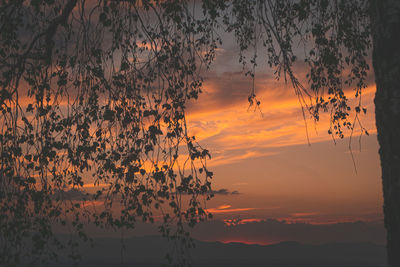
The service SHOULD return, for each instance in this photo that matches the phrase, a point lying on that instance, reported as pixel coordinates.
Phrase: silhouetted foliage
(94, 92)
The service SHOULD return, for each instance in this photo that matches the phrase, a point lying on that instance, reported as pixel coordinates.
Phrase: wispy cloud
(221, 120)
(254, 230)
(222, 207)
(92, 185)
(229, 210)
(224, 191)
(226, 208)
(234, 222)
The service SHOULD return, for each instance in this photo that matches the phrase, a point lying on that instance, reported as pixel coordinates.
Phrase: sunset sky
(272, 183)
(148, 132)
(264, 167)
(278, 175)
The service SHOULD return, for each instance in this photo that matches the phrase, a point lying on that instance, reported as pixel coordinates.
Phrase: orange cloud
(226, 209)
(247, 242)
(244, 221)
(92, 185)
(232, 133)
(227, 158)
(235, 222)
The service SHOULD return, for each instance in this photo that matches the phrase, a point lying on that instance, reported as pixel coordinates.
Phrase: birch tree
(95, 93)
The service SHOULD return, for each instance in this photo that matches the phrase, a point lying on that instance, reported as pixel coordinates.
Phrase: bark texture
(385, 19)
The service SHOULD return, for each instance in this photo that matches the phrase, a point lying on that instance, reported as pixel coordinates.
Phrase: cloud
(227, 209)
(78, 197)
(269, 231)
(224, 207)
(234, 222)
(236, 210)
(221, 121)
(225, 192)
(93, 185)
(235, 155)
(72, 194)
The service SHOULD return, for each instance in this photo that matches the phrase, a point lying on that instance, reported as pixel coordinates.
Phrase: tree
(99, 89)
(94, 92)
(386, 62)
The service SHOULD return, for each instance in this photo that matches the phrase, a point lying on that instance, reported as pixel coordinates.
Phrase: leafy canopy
(95, 93)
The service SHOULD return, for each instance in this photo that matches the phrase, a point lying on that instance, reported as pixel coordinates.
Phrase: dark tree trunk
(385, 18)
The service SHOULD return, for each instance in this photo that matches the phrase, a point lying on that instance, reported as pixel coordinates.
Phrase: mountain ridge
(149, 251)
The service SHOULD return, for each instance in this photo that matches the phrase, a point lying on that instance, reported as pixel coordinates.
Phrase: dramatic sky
(271, 184)
(273, 181)
(266, 173)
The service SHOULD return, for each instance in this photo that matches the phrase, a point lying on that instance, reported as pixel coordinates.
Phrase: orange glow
(92, 185)
(232, 127)
(248, 242)
(94, 203)
(244, 221)
(224, 207)
(234, 222)
(227, 210)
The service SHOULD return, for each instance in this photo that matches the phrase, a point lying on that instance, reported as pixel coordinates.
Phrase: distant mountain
(150, 251)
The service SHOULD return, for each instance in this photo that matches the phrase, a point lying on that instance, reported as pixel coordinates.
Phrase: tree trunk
(385, 21)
